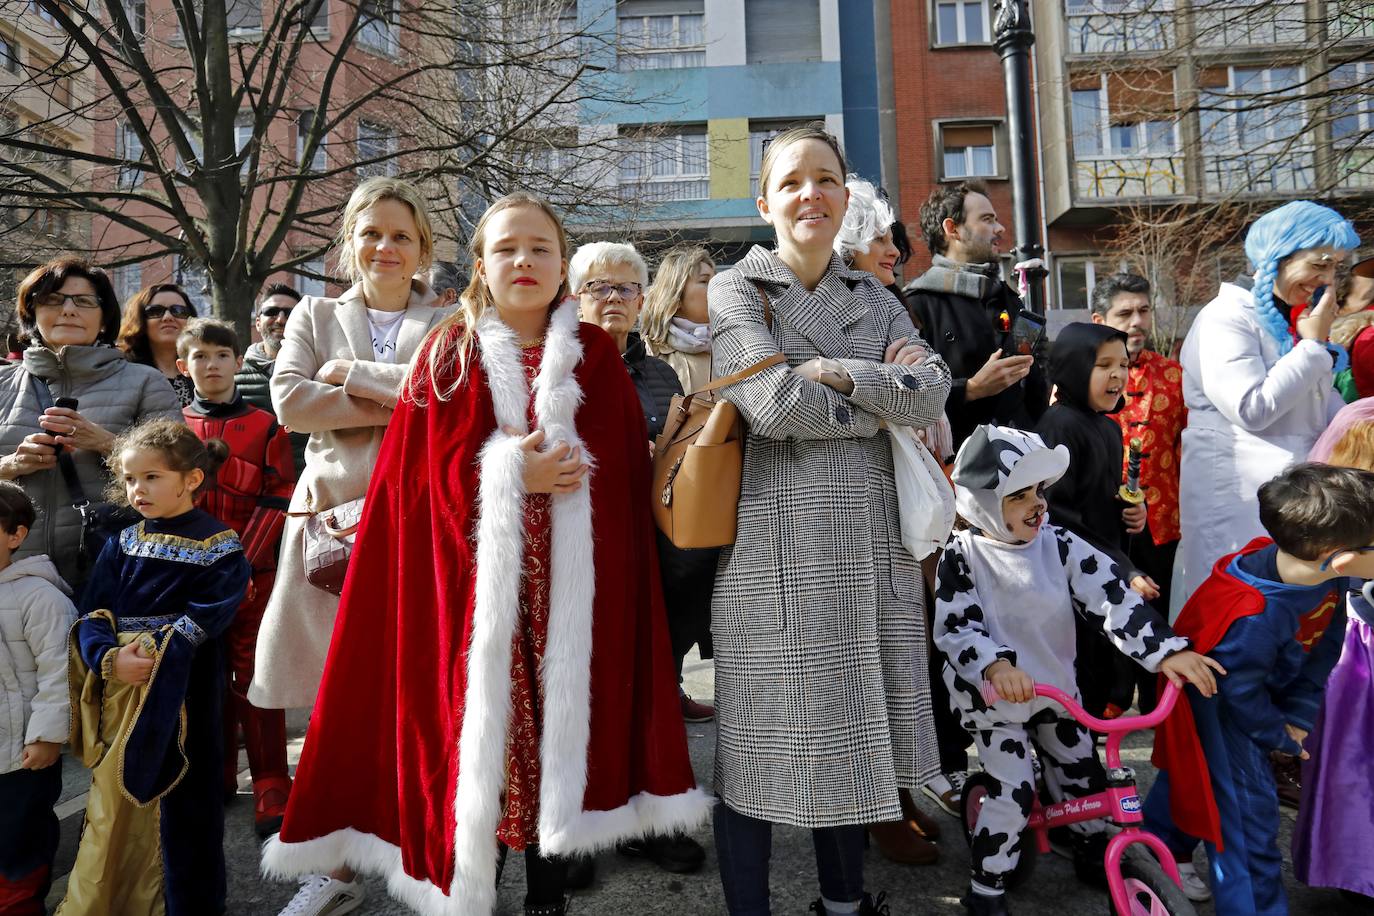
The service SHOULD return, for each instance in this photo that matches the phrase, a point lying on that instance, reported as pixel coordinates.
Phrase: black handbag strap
(65, 464)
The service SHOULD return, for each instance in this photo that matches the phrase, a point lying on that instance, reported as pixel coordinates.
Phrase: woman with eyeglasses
(154, 318)
(68, 310)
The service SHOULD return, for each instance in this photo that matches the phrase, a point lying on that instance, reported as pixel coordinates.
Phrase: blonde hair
(368, 194)
(665, 296)
(604, 254)
(1345, 329)
(1355, 449)
(450, 342)
(793, 135)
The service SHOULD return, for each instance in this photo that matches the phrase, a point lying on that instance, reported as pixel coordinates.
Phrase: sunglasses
(57, 300)
(1326, 564)
(178, 311)
(274, 311)
(601, 290)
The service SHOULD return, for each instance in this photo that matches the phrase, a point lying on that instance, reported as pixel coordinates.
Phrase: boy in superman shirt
(250, 494)
(1215, 782)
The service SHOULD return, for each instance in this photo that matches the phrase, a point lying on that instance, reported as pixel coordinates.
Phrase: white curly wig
(868, 217)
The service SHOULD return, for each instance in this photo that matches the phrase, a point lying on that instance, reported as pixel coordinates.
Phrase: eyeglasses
(600, 289)
(178, 311)
(57, 300)
(1328, 561)
(274, 311)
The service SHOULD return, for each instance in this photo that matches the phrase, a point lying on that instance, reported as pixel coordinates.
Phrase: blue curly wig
(1278, 234)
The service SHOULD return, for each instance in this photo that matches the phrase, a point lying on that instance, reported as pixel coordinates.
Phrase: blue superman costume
(153, 838)
(1215, 782)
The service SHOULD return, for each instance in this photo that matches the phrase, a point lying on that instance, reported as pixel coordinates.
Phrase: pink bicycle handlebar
(1106, 726)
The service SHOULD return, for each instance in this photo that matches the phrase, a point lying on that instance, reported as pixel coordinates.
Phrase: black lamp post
(1013, 39)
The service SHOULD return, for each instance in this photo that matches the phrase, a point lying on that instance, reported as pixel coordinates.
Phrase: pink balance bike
(1141, 872)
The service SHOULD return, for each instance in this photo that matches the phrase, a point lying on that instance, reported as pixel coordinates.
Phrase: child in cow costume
(1007, 590)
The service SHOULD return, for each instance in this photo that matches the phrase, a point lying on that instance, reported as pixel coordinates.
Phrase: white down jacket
(35, 616)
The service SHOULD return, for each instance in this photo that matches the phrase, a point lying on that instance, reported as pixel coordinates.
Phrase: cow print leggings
(1072, 770)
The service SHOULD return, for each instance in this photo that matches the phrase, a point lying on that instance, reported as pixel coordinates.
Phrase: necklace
(531, 344)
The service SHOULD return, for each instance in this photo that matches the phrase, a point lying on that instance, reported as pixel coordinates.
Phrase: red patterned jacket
(252, 489)
(1154, 413)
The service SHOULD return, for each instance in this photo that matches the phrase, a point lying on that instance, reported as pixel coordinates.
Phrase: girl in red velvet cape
(500, 669)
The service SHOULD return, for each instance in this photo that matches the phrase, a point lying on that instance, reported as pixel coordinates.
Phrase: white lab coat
(1251, 413)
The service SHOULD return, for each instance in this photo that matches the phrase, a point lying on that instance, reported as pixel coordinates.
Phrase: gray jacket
(35, 615)
(822, 692)
(111, 392)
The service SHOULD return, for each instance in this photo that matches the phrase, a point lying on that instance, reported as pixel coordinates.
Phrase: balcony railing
(1120, 32)
(1128, 176)
(660, 190)
(1222, 24)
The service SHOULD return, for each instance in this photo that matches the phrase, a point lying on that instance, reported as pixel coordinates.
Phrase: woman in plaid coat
(821, 665)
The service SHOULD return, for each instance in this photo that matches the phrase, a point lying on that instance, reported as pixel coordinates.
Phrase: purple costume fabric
(1335, 829)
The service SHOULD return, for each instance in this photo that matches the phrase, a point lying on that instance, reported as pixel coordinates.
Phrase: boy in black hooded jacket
(1089, 367)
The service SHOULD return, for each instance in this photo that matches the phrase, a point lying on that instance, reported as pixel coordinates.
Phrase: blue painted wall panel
(859, 66)
(709, 93)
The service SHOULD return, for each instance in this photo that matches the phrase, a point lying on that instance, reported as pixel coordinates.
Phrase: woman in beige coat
(674, 325)
(337, 377)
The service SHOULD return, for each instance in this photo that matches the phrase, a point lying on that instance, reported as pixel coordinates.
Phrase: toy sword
(1130, 491)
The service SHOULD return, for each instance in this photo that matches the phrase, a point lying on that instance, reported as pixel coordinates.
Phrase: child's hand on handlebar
(1194, 668)
(1011, 683)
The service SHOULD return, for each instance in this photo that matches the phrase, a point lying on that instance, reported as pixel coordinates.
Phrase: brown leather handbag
(329, 543)
(698, 460)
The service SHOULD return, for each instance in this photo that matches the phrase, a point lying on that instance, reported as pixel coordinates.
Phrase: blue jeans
(744, 845)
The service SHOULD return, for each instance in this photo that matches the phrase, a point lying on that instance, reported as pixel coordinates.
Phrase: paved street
(625, 887)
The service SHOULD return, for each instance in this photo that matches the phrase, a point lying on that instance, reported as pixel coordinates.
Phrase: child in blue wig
(1257, 398)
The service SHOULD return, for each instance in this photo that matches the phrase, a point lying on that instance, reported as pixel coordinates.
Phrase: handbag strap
(736, 377)
(65, 464)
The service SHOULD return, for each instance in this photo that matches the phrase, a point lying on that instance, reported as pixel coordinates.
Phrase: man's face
(1132, 314)
(272, 315)
(978, 238)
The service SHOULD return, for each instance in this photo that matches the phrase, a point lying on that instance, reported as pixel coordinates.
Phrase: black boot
(547, 909)
(581, 873)
(677, 853)
(868, 906)
(983, 905)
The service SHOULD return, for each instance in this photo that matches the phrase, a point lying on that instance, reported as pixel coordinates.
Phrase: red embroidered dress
(520, 813)
(1154, 414)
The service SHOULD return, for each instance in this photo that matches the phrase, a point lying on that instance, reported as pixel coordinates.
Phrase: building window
(9, 55)
(1077, 276)
(305, 123)
(782, 31)
(319, 24)
(130, 149)
(1254, 147)
(43, 14)
(1125, 138)
(660, 40)
(378, 28)
(194, 279)
(672, 166)
(376, 142)
(967, 150)
(1115, 26)
(243, 139)
(308, 281)
(136, 11)
(761, 133)
(127, 280)
(962, 22)
(1352, 123)
(1238, 23)
(244, 16)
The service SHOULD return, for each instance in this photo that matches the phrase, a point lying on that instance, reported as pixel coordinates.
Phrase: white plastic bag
(925, 498)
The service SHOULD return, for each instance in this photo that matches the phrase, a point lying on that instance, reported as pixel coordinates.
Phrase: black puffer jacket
(655, 381)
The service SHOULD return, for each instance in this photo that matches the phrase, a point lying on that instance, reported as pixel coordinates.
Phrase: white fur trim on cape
(564, 827)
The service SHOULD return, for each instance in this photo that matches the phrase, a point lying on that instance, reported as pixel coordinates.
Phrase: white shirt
(385, 328)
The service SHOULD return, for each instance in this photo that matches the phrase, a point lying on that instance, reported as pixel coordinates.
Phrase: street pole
(1013, 39)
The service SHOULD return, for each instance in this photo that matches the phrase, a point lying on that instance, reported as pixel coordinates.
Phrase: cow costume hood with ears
(996, 461)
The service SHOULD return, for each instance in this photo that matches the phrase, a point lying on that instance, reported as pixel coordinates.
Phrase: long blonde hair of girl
(1355, 449)
(449, 349)
(665, 296)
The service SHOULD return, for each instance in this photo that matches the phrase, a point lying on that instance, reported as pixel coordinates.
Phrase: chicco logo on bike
(1130, 804)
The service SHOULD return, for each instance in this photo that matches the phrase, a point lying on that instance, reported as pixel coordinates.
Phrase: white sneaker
(1194, 887)
(946, 790)
(321, 895)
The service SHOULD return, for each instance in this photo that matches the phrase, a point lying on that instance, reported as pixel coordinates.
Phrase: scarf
(976, 281)
(687, 336)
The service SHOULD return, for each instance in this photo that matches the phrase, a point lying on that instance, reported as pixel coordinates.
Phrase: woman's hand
(72, 430)
(34, 453)
(334, 372)
(1315, 324)
(558, 470)
(828, 372)
(1011, 683)
(1195, 668)
(906, 352)
(132, 665)
(1145, 587)
(1133, 517)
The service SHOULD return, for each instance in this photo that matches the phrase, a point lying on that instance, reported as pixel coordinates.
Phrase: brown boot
(921, 822)
(899, 842)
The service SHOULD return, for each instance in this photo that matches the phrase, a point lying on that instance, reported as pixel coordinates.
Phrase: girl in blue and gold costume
(147, 683)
